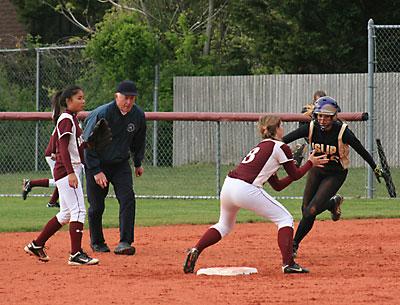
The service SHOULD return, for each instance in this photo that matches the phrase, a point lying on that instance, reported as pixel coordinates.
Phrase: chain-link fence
(383, 92)
(184, 166)
(177, 162)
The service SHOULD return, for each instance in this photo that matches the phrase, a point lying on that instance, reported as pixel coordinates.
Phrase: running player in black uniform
(328, 136)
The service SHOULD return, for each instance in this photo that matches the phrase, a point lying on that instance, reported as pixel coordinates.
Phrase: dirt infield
(351, 262)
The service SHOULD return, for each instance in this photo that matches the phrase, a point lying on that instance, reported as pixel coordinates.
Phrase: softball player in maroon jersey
(28, 184)
(67, 170)
(49, 155)
(243, 188)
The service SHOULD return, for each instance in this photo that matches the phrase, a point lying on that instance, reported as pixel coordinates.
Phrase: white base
(227, 271)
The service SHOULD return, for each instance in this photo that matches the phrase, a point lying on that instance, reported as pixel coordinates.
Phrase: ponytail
(268, 125)
(59, 100)
(55, 105)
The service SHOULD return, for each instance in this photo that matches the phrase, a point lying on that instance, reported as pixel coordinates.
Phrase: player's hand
(378, 173)
(101, 180)
(139, 171)
(318, 161)
(73, 180)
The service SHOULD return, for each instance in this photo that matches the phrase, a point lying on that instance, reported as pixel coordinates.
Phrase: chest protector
(344, 150)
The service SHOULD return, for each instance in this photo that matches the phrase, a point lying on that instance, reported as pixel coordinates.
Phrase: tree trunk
(206, 49)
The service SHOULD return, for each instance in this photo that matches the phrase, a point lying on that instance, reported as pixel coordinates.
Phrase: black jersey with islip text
(326, 142)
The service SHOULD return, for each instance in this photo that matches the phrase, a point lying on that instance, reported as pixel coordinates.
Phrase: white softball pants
(51, 164)
(236, 194)
(72, 204)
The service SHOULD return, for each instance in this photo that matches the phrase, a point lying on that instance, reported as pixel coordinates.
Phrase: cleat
(190, 262)
(38, 251)
(336, 211)
(53, 205)
(26, 188)
(81, 258)
(295, 268)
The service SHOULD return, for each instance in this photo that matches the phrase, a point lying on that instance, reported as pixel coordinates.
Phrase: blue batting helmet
(326, 105)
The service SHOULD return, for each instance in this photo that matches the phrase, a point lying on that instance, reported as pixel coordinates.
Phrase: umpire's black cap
(127, 87)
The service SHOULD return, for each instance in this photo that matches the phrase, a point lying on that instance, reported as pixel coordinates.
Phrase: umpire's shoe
(124, 248)
(100, 247)
(26, 188)
(190, 262)
(336, 211)
(295, 268)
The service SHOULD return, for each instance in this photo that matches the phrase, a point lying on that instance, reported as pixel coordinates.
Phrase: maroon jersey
(71, 154)
(51, 147)
(262, 162)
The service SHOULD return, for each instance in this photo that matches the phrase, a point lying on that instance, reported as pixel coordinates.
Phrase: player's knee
(78, 214)
(286, 221)
(63, 218)
(96, 210)
(223, 229)
(310, 211)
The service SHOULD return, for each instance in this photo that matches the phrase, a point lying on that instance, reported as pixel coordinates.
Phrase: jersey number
(251, 155)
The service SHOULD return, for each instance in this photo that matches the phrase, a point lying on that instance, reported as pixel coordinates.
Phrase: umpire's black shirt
(128, 137)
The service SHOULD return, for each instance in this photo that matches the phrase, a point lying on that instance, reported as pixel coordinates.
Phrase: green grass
(30, 215)
(200, 179)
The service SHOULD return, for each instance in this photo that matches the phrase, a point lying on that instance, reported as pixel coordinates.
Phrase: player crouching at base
(67, 170)
(243, 188)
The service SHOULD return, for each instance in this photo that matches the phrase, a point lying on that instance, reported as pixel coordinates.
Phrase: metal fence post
(155, 109)
(37, 108)
(370, 123)
(218, 157)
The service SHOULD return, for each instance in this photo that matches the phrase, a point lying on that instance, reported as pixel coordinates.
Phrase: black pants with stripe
(120, 176)
(321, 185)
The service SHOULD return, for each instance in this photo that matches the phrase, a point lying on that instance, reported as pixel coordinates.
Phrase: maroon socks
(285, 242)
(48, 231)
(54, 197)
(76, 233)
(40, 182)
(212, 236)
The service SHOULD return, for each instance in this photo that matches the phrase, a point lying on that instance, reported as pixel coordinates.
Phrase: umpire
(128, 127)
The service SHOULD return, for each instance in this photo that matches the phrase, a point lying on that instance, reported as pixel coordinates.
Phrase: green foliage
(44, 19)
(308, 36)
(122, 48)
(17, 79)
(247, 37)
(15, 98)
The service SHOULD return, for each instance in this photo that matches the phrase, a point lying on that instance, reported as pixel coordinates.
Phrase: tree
(52, 21)
(309, 36)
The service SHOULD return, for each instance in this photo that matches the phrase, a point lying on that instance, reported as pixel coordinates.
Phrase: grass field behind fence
(199, 179)
(30, 215)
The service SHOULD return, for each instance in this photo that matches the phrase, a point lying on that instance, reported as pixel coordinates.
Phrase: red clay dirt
(351, 262)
